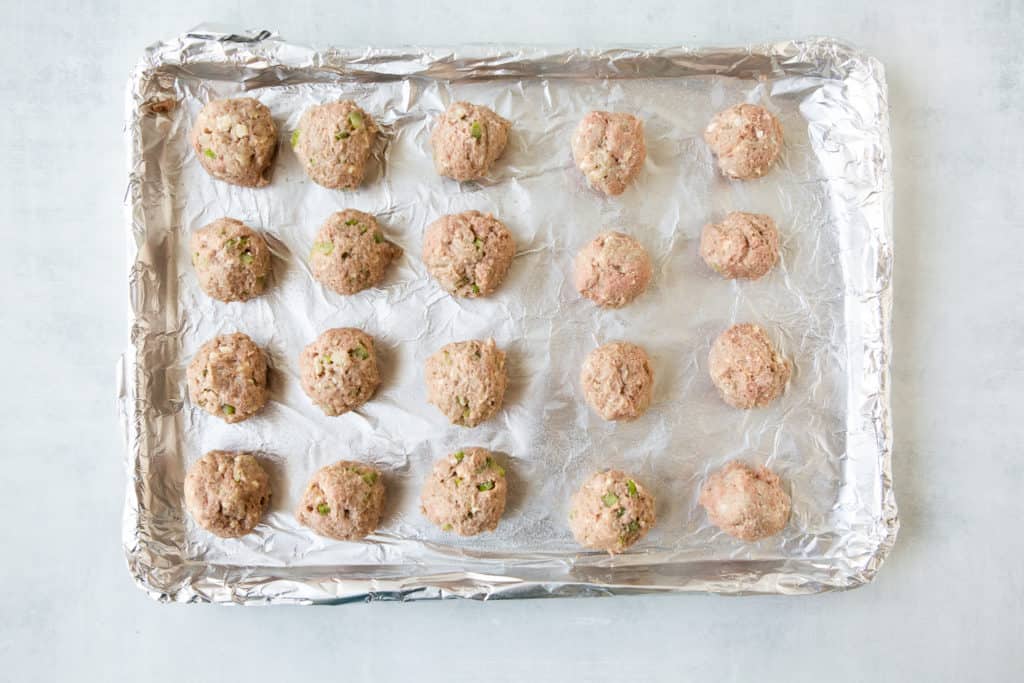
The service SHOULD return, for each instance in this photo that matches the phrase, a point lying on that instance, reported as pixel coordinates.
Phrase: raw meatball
(612, 270)
(343, 501)
(231, 259)
(746, 138)
(746, 368)
(744, 245)
(610, 150)
(468, 253)
(466, 381)
(339, 370)
(227, 493)
(611, 512)
(228, 377)
(744, 502)
(467, 140)
(333, 142)
(235, 141)
(466, 492)
(350, 252)
(618, 381)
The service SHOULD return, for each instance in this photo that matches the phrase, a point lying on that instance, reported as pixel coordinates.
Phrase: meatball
(611, 512)
(333, 142)
(228, 377)
(466, 492)
(747, 140)
(350, 253)
(235, 141)
(744, 502)
(227, 493)
(610, 150)
(468, 253)
(744, 245)
(466, 381)
(746, 368)
(231, 259)
(612, 270)
(618, 381)
(343, 501)
(339, 370)
(467, 140)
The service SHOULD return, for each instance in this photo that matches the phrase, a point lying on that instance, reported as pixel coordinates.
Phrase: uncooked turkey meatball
(743, 245)
(465, 492)
(343, 501)
(350, 253)
(618, 381)
(747, 139)
(333, 142)
(468, 253)
(466, 381)
(228, 377)
(611, 512)
(746, 368)
(339, 370)
(231, 259)
(235, 141)
(612, 270)
(467, 140)
(610, 150)
(227, 493)
(745, 502)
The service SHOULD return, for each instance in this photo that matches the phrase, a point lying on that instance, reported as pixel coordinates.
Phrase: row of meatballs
(236, 141)
(228, 493)
(468, 254)
(466, 380)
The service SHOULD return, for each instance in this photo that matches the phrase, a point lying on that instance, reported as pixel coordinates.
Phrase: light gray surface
(949, 605)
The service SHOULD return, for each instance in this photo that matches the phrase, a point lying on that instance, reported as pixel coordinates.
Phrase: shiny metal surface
(828, 303)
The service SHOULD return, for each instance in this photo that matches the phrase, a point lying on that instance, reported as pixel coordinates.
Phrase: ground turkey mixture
(466, 492)
(746, 368)
(232, 260)
(227, 493)
(747, 139)
(228, 377)
(235, 141)
(468, 253)
(611, 512)
(350, 253)
(333, 143)
(343, 501)
(744, 245)
(467, 140)
(339, 370)
(618, 381)
(612, 270)
(610, 150)
(466, 381)
(746, 502)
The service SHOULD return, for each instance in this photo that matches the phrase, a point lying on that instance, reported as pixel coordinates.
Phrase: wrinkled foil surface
(827, 304)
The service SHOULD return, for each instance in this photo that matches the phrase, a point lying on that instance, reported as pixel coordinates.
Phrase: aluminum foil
(828, 304)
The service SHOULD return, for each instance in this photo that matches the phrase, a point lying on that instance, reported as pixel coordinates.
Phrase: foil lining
(828, 304)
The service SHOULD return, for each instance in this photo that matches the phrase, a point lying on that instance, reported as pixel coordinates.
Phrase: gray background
(947, 605)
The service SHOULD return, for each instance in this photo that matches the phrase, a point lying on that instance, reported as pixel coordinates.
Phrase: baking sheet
(828, 304)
